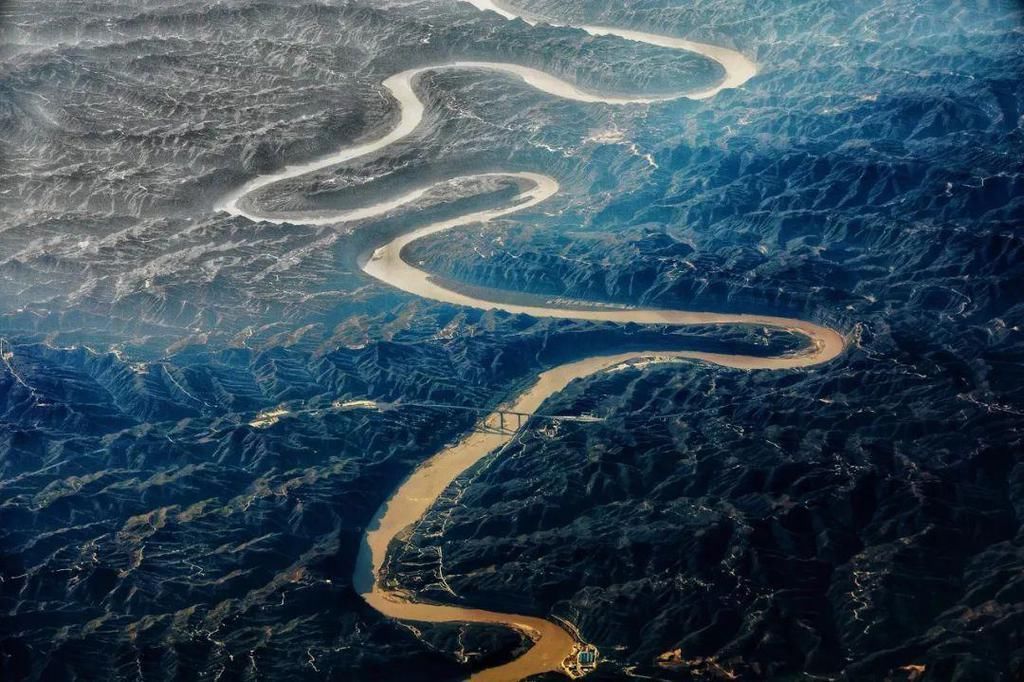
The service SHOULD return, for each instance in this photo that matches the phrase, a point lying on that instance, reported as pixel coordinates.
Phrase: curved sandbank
(553, 643)
(738, 68)
(388, 265)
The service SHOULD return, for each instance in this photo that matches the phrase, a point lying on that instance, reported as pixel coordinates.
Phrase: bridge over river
(508, 421)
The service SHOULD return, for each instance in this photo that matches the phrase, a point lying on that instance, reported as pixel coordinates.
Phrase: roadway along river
(553, 643)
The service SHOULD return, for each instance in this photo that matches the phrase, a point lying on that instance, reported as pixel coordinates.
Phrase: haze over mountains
(858, 521)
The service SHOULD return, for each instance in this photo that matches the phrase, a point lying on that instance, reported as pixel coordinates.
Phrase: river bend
(554, 643)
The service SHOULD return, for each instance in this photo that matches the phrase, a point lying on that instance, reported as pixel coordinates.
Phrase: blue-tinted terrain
(183, 493)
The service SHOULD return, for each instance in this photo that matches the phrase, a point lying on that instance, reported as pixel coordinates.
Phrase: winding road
(553, 643)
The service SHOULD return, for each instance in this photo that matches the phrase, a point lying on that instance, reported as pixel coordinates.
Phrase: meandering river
(553, 643)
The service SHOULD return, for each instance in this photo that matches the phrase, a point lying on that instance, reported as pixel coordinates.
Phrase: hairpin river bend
(553, 643)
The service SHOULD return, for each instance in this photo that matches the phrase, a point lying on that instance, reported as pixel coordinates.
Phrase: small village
(581, 661)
